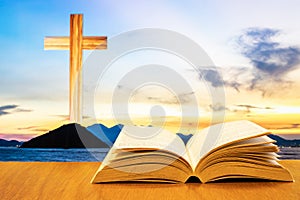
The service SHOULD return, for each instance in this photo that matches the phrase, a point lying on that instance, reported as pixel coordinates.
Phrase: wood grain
(75, 101)
(51, 180)
(63, 43)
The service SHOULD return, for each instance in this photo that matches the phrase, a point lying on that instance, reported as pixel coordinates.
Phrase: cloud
(271, 60)
(290, 126)
(283, 126)
(214, 76)
(155, 95)
(182, 98)
(248, 108)
(64, 117)
(34, 128)
(9, 109)
(23, 110)
(40, 130)
(185, 97)
(5, 110)
(217, 107)
(19, 137)
(27, 128)
(256, 107)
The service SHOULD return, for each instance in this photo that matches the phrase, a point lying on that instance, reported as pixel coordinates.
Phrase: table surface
(71, 180)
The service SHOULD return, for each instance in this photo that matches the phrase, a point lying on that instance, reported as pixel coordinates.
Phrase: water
(289, 153)
(54, 155)
(87, 155)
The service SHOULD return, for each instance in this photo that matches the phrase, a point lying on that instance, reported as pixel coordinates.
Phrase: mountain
(67, 136)
(279, 140)
(283, 142)
(96, 136)
(184, 137)
(107, 135)
(9, 143)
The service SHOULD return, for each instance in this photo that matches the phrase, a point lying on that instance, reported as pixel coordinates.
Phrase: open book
(238, 149)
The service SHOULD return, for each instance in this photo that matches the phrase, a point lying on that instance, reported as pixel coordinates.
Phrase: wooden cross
(75, 43)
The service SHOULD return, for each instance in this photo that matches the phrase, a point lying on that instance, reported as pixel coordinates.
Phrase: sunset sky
(254, 45)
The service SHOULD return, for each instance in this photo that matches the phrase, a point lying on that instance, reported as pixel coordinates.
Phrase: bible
(238, 149)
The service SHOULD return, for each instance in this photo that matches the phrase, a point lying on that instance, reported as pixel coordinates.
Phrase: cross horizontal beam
(63, 43)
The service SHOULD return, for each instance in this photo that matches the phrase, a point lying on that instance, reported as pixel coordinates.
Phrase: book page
(220, 134)
(135, 137)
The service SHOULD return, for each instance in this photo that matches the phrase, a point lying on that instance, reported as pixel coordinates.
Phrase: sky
(254, 46)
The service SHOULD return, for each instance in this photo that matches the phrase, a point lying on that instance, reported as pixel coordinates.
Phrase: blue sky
(36, 81)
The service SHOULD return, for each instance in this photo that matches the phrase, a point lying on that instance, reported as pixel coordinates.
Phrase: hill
(67, 136)
(105, 134)
(9, 143)
(285, 143)
(97, 136)
(185, 138)
(281, 142)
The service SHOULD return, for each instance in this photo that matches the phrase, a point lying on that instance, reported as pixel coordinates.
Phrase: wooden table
(69, 180)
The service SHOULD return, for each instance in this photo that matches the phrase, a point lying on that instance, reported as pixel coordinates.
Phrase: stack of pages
(239, 149)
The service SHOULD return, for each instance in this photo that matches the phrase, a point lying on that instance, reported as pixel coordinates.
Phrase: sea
(52, 155)
(89, 155)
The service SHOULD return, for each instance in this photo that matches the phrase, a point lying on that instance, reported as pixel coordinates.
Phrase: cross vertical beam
(75, 96)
